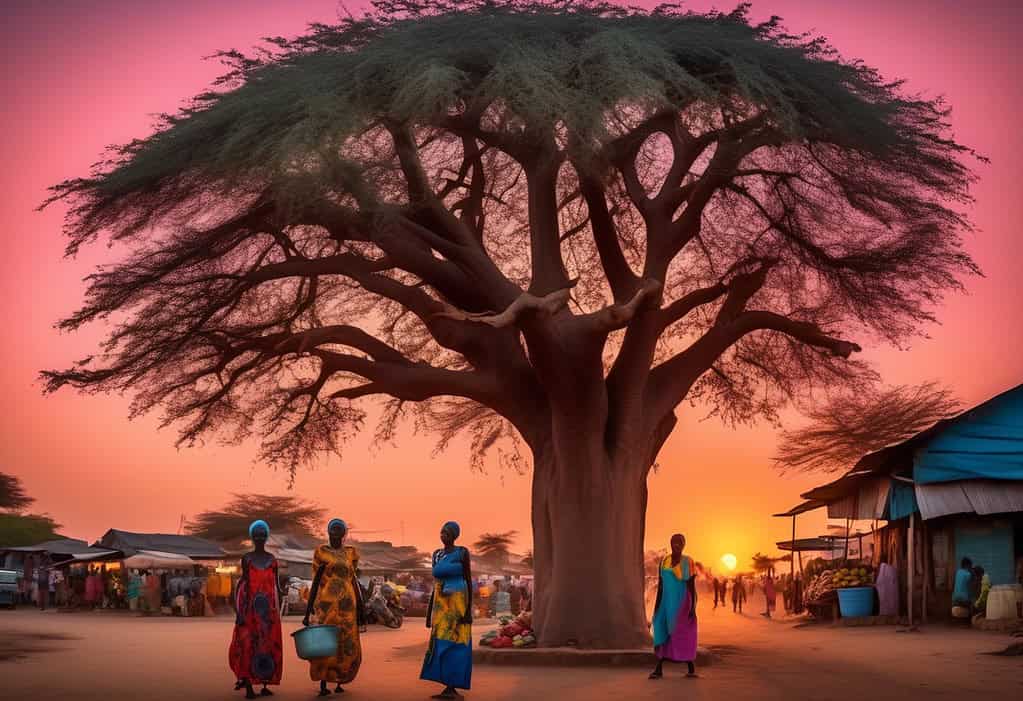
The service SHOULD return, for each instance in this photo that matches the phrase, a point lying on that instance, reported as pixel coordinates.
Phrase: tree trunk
(588, 526)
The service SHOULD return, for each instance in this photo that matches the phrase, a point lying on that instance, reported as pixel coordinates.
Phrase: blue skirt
(449, 663)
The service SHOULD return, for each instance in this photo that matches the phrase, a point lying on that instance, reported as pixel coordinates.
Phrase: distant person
(770, 594)
(256, 653)
(984, 588)
(336, 597)
(449, 654)
(887, 585)
(42, 582)
(675, 629)
(961, 590)
(738, 594)
(717, 590)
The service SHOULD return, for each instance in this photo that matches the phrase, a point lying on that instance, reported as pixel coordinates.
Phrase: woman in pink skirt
(675, 610)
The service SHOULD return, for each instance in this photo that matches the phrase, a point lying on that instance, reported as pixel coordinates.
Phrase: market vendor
(961, 592)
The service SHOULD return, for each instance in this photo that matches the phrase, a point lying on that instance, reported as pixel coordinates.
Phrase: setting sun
(729, 560)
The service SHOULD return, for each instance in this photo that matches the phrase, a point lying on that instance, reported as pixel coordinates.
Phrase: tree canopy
(844, 429)
(17, 530)
(285, 514)
(370, 174)
(12, 494)
(495, 546)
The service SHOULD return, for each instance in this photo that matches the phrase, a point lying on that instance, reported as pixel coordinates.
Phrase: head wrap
(337, 522)
(259, 523)
(454, 528)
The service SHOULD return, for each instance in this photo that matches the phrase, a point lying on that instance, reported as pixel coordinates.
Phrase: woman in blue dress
(449, 617)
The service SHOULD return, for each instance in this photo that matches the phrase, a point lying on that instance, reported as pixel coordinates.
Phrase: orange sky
(79, 76)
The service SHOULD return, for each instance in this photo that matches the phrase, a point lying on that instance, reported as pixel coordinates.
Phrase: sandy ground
(113, 656)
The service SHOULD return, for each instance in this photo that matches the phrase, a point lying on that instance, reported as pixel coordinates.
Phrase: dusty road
(112, 656)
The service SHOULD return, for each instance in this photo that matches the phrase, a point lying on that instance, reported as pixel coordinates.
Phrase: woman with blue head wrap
(336, 598)
(449, 655)
(256, 654)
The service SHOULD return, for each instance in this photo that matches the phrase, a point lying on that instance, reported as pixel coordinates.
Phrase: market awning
(804, 545)
(154, 559)
(104, 556)
(809, 505)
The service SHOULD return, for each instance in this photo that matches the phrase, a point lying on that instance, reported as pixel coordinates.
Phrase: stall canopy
(67, 549)
(154, 559)
(179, 545)
(809, 545)
(984, 443)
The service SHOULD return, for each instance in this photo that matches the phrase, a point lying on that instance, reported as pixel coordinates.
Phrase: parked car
(9, 588)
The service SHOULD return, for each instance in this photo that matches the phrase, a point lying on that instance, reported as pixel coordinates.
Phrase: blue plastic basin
(316, 641)
(856, 602)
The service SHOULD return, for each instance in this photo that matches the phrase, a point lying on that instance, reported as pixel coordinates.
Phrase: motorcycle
(384, 607)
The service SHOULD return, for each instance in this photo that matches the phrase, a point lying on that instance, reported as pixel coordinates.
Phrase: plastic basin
(313, 642)
(856, 602)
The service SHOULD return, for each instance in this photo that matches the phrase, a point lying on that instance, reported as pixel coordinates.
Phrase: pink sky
(79, 76)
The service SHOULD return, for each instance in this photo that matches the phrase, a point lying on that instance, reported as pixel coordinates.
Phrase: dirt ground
(115, 656)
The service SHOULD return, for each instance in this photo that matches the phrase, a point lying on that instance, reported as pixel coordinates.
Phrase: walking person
(42, 582)
(256, 654)
(738, 594)
(770, 595)
(717, 591)
(674, 622)
(449, 617)
(336, 597)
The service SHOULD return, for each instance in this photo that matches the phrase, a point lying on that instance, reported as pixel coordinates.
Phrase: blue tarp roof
(985, 442)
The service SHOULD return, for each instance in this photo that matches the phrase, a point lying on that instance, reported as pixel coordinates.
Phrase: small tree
(285, 514)
(545, 222)
(495, 546)
(12, 494)
(848, 427)
(26, 529)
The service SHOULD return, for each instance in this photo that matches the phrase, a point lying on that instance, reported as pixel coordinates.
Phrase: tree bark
(588, 526)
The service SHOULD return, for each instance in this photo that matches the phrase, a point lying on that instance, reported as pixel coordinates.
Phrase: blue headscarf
(256, 524)
(454, 528)
(337, 522)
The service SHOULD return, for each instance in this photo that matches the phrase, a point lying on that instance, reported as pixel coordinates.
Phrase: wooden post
(792, 553)
(927, 556)
(911, 567)
(848, 524)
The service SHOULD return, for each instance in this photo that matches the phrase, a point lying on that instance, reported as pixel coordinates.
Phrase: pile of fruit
(514, 632)
(821, 586)
(853, 577)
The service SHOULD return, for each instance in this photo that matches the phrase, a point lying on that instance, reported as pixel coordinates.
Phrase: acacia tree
(285, 514)
(495, 546)
(12, 494)
(545, 222)
(847, 427)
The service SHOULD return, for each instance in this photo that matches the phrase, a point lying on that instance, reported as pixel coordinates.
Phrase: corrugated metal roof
(973, 496)
(188, 545)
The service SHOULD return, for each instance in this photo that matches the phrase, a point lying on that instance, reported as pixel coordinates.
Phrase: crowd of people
(737, 590)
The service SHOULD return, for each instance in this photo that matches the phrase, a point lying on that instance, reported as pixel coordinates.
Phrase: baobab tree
(544, 222)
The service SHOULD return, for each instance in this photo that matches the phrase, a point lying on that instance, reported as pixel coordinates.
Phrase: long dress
(674, 630)
(256, 653)
(337, 605)
(887, 590)
(449, 654)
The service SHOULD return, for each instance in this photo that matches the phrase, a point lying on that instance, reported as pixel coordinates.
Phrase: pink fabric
(770, 594)
(681, 644)
(888, 590)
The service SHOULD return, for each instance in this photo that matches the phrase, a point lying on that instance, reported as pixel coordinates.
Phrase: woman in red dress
(256, 652)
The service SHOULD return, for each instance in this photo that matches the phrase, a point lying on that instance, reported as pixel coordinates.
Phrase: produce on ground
(514, 632)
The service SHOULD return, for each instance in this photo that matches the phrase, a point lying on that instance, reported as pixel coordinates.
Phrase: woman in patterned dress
(336, 599)
(449, 655)
(256, 654)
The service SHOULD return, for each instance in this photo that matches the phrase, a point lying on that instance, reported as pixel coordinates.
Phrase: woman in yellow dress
(337, 600)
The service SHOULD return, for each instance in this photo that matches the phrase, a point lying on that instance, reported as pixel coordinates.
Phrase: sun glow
(729, 561)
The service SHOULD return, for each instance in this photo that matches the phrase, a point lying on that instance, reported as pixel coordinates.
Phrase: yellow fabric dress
(336, 605)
